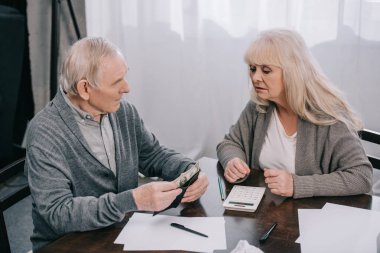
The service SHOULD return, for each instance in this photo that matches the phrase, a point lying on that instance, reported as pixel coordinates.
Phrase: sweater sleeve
(234, 142)
(344, 165)
(50, 185)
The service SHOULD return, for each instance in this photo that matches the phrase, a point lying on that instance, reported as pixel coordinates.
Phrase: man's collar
(82, 114)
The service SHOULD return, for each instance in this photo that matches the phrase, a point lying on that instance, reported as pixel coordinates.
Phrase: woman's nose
(257, 75)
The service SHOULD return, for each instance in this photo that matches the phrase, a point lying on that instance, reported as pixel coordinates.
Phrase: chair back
(11, 61)
(9, 197)
(374, 138)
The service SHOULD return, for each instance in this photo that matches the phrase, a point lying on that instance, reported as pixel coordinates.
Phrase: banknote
(183, 181)
(187, 175)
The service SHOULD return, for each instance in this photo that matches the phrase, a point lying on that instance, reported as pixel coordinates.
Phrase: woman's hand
(235, 170)
(280, 182)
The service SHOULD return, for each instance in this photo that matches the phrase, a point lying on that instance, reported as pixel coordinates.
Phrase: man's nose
(125, 87)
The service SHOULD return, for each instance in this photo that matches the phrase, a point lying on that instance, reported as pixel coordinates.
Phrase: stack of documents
(146, 232)
(337, 228)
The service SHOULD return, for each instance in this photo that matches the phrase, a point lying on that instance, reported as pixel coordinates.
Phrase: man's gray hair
(83, 62)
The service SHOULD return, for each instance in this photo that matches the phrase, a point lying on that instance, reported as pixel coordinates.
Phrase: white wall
(187, 75)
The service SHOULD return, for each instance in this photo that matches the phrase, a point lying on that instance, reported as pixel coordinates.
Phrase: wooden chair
(10, 197)
(373, 138)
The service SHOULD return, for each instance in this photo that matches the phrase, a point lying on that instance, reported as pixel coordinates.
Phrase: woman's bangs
(262, 52)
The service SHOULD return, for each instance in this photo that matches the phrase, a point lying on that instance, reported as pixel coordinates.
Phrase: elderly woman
(297, 128)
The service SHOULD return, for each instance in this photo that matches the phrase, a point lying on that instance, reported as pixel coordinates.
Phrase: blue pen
(266, 235)
(221, 190)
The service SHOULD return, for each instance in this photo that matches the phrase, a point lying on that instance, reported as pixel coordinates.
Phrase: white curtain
(187, 74)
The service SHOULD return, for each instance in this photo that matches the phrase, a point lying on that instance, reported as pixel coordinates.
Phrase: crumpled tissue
(244, 247)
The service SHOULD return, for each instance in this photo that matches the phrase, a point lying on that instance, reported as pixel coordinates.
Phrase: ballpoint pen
(176, 225)
(221, 189)
(266, 235)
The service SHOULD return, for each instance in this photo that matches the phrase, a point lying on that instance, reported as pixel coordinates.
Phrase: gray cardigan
(71, 190)
(330, 160)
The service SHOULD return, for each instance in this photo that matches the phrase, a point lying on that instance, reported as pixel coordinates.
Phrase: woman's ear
(83, 89)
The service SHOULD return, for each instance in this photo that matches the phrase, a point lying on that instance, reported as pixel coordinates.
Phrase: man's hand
(155, 196)
(196, 190)
(280, 182)
(236, 169)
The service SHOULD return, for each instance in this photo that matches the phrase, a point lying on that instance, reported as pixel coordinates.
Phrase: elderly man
(86, 147)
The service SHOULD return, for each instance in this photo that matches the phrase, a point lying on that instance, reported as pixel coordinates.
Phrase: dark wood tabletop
(239, 225)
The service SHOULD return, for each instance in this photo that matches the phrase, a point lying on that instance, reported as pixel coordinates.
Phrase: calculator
(244, 198)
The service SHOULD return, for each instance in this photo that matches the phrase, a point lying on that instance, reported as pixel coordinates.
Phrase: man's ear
(83, 89)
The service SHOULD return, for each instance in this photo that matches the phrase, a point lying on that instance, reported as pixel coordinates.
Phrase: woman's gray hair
(309, 93)
(83, 62)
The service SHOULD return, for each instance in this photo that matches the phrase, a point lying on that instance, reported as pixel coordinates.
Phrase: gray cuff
(125, 202)
(303, 186)
(224, 160)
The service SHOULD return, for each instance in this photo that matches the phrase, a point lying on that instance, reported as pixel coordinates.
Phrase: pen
(266, 235)
(221, 190)
(176, 225)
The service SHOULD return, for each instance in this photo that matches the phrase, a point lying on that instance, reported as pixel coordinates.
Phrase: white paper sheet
(306, 221)
(337, 228)
(147, 232)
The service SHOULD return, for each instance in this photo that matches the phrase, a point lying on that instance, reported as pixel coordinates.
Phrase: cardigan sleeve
(236, 141)
(344, 167)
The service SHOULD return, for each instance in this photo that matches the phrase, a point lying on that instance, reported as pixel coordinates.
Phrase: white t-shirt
(279, 149)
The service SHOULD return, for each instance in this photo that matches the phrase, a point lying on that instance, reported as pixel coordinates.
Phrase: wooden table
(239, 225)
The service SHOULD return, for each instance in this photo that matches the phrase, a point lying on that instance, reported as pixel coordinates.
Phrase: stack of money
(187, 175)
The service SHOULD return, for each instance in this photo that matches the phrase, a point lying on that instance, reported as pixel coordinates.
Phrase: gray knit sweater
(71, 190)
(330, 160)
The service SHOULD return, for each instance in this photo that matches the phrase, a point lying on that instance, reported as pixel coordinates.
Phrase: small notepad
(244, 198)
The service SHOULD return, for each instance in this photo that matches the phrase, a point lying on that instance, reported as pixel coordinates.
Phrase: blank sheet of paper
(146, 232)
(338, 228)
